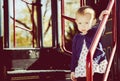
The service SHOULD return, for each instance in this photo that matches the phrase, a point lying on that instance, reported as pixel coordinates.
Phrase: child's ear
(94, 22)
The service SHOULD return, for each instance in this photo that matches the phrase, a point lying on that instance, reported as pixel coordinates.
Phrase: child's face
(84, 22)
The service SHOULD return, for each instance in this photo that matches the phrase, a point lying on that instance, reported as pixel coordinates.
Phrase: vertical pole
(14, 32)
(114, 22)
(54, 23)
(39, 24)
(6, 24)
(33, 25)
(118, 38)
(82, 3)
(0, 20)
(63, 24)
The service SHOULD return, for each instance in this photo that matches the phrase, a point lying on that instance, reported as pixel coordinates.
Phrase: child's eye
(86, 23)
(79, 22)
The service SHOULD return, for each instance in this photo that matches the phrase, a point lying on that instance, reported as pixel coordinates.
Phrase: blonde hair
(86, 10)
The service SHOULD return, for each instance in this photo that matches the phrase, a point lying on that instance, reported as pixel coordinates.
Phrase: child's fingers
(73, 77)
(106, 12)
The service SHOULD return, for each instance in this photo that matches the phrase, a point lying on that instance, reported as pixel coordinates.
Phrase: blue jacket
(77, 47)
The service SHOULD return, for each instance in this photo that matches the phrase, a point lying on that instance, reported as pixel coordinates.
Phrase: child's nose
(84, 27)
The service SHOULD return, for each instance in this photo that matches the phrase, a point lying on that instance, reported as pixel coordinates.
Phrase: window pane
(46, 22)
(1, 17)
(24, 15)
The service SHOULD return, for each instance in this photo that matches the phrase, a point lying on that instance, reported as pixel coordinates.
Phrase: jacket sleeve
(73, 58)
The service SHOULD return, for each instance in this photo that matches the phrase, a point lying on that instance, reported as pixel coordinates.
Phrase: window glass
(46, 23)
(22, 21)
(1, 17)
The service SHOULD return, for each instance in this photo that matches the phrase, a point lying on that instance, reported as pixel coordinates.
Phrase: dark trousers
(96, 77)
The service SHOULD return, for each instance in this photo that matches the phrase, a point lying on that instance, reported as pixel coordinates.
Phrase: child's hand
(103, 13)
(73, 76)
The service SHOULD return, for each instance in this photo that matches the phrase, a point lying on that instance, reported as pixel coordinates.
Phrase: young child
(85, 20)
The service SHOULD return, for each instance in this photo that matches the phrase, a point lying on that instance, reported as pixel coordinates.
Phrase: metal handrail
(114, 43)
(95, 43)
